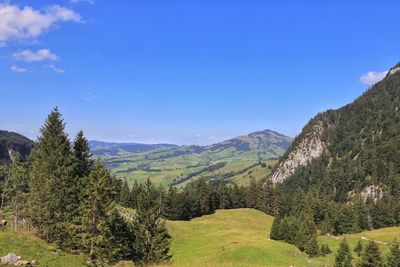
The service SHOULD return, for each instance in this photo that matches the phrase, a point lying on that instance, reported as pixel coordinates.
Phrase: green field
(30, 248)
(236, 238)
(241, 238)
(234, 160)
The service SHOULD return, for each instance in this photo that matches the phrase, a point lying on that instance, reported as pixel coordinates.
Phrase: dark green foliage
(98, 203)
(16, 143)
(343, 257)
(125, 195)
(358, 248)
(325, 250)
(393, 256)
(121, 238)
(311, 247)
(371, 256)
(51, 200)
(152, 238)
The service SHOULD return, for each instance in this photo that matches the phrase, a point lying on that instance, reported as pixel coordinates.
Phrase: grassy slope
(227, 238)
(30, 247)
(241, 238)
(230, 238)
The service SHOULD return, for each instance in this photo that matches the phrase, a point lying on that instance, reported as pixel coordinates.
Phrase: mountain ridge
(358, 145)
(12, 142)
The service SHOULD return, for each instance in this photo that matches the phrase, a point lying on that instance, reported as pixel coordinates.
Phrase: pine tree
(99, 201)
(343, 257)
(121, 239)
(15, 188)
(371, 256)
(83, 164)
(358, 248)
(275, 233)
(311, 247)
(82, 156)
(393, 255)
(152, 238)
(325, 250)
(51, 200)
(125, 195)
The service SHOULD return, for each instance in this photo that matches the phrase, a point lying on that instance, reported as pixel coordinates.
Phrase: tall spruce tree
(125, 195)
(83, 163)
(51, 200)
(343, 257)
(393, 255)
(96, 208)
(371, 256)
(152, 239)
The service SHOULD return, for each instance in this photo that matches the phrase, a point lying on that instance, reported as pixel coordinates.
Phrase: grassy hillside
(228, 160)
(230, 238)
(236, 238)
(241, 238)
(30, 247)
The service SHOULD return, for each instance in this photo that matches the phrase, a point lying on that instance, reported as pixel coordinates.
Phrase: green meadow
(228, 238)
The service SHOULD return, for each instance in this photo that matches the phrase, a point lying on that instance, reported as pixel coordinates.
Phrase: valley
(237, 160)
(238, 237)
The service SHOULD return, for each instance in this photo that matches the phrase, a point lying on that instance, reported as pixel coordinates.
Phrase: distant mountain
(99, 148)
(355, 149)
(10, 143)
(177, 165)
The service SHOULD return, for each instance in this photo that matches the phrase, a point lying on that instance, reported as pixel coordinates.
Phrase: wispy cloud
(372, 77)
(15, 68)
(17, 24)
(89, 97)
(56, 69)
(39, 55)
(82, 1)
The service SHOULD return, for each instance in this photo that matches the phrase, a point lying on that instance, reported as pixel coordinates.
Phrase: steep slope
(10, 143)
(181, 164)
(353, 149)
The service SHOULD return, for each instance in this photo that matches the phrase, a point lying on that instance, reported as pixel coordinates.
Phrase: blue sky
(188, 72)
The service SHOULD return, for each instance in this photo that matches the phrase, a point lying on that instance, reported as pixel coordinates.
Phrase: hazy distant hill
(177, 165)
(99, 148)
(11, 142)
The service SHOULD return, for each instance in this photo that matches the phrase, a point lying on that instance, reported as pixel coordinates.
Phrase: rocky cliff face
(12, 143)
(308, 146)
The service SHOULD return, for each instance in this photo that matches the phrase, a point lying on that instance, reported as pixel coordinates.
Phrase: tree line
(68, 198)
(368, 256)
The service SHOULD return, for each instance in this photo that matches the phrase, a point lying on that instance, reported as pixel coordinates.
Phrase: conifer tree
(125, 195)
(15, 188)
(152, 238)
(325, 250)
(343, 257)
(51, 200)
(82, 156)
(371, 256)
(358, 248)
(121, 239)
(311, 247)
(99, 202)
(393, 255)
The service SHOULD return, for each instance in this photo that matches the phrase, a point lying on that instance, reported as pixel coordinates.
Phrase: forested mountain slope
(355, 149)
(10, 143)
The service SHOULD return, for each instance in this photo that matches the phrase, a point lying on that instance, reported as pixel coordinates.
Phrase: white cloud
(372, 77)
(81, 1)
(17, 69)
(39, 55)
(56, 69)
(27, 23)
